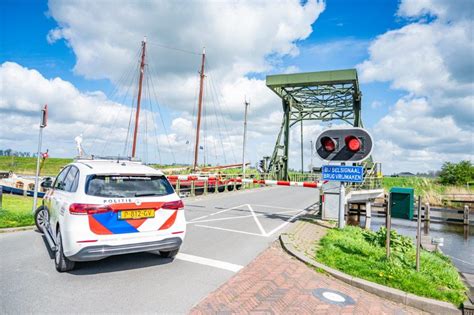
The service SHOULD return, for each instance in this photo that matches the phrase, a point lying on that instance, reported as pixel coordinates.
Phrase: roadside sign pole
(43, 123)
(342, 206)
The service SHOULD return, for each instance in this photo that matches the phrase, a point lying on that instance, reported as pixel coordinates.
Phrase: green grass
(16, 211)
(349, 251)
(429, 188)
(27, 165)
(420, 184)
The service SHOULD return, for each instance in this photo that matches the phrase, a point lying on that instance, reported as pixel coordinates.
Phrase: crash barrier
(193, 184)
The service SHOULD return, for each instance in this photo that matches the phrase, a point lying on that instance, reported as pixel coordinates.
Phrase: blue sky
(343, 34)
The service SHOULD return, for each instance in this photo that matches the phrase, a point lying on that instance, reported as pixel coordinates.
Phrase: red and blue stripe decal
(108, 222)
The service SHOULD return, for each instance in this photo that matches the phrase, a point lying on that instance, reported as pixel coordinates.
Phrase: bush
(457, 173)
(398, 243)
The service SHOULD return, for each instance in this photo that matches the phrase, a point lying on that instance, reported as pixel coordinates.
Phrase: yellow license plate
(136, 214)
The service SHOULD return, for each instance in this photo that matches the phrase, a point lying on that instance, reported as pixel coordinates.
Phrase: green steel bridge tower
(324, 96)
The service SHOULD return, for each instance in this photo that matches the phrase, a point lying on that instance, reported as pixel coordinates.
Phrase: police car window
(59, 183)
(69, 179)
(76, 182)
(127, 186)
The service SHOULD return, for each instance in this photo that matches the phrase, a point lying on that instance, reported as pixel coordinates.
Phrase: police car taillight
(173, 205)
(83, 208)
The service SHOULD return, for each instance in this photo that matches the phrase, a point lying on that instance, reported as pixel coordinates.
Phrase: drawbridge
(313, 96)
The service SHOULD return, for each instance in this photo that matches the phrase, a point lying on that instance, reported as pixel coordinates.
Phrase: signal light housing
(329, 145)
(353, 143)
(344, 145)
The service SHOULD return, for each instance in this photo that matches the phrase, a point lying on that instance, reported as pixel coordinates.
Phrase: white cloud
(71, 112)
(240, 38)
(237, 35)
(432, 60)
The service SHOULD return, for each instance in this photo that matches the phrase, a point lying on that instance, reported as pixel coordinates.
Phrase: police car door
(56, 198)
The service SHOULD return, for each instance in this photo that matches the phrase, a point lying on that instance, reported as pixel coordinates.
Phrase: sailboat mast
(140, 83)
(198, 127)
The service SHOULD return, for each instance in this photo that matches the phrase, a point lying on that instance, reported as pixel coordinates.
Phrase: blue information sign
(352, 174)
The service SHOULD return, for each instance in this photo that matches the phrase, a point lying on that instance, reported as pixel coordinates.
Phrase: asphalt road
(225, 232)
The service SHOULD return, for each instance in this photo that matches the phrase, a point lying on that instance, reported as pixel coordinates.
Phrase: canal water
(458, 241)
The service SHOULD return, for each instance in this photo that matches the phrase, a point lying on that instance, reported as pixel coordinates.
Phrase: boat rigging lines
(137, 87)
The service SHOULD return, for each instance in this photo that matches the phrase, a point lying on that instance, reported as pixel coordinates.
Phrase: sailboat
(196, 172)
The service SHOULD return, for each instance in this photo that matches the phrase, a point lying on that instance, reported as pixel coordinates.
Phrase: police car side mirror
(47, 184)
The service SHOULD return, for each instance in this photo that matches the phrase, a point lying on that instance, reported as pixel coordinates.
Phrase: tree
(456, 173)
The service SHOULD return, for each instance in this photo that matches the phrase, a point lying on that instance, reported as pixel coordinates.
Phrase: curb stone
(422, 303)
(17, 229)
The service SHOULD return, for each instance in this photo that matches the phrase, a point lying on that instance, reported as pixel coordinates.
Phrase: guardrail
(192, 185)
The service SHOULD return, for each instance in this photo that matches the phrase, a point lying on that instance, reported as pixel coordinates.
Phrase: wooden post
(427, 218)
(368, 214)
(466, 221)
(418, 235)
(178, 186)
(388, 227)
(466, 215)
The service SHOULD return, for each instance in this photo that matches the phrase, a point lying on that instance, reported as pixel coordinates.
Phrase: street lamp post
(43, 124)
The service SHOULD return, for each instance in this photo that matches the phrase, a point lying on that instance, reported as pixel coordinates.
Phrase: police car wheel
(169, 254)
(41, 218)
(60, 261)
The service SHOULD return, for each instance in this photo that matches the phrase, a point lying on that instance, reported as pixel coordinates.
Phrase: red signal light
(328, 144)
(353, 143)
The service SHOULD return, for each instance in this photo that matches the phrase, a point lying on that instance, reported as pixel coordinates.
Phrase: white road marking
(260, 227)
(253, 214)
(240, 217)
(209, 262)
(275, 207)
(228, 230)
(222, 211)
(283, 224)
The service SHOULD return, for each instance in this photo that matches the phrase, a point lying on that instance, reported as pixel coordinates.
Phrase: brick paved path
(276, 283)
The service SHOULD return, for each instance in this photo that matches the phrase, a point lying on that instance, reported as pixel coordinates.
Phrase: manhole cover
(333, 297)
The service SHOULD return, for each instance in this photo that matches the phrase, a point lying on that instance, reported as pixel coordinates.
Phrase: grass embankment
(16, 211)
(27, 165)
(361, 253)
(429, 188)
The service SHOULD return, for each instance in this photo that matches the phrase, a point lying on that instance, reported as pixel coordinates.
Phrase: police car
(99, 208)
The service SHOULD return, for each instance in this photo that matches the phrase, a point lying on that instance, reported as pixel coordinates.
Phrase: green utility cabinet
(402, 202)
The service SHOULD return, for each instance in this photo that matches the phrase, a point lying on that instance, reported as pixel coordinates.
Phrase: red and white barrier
(278, 182)
(248, 180)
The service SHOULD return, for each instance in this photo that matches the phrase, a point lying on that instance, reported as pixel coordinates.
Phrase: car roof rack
(106, 158)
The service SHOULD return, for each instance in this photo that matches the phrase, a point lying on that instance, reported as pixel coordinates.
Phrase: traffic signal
(341, 145)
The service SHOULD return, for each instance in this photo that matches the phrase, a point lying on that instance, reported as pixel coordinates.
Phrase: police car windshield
(127, 186)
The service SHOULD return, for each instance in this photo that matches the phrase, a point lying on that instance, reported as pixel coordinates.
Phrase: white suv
(100, 208)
